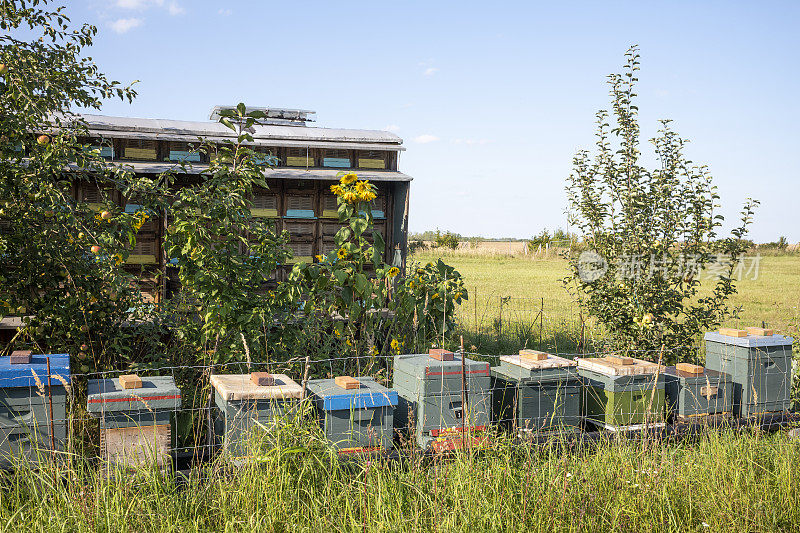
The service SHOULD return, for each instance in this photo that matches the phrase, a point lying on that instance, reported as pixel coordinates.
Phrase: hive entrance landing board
(241, 387)
(609, 367)
(552, 361)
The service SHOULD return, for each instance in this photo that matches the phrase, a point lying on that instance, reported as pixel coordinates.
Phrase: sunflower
(395, 346)
(341, 253)
(367, 196)
(393, 272)
(347, 179)
(337, 190)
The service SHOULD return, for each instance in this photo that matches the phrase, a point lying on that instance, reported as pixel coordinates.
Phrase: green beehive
(25, 421)
(622, 392)
(430, 393)
(134, 418)
(357, 414)
(247, 402)
(537, 392)
(760, 367)
(694, 392)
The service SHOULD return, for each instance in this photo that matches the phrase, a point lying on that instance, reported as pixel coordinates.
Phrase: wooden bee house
(430, 396)
(694, 392)
(26, 424)
(622, 392)
(357, 414)
(246, 402)
(760, 365)
(536, 391)
(134, 418)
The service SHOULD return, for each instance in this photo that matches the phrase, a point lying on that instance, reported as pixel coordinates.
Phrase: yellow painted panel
(302, 161)
(140, 153)
(330, 213)
(264, 213)
(372, 163)
(302, 259)
(141, 259)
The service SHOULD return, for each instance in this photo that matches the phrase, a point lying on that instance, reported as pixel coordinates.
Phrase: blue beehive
(25, 422)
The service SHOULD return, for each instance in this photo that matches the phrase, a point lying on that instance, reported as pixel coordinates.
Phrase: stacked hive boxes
(26, 419)
(760, 366)
(622, 392)
(134, 418)
(357, 414)
(249, 401)
(537, 392)
(431, 400)
(695, 392)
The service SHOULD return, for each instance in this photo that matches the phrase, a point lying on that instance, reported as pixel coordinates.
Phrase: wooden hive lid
(617, 366)
(440, 354)
(760, 332)
(347, 382)
(690, 368)
(241, 387)
(732, 332)
(550, 361)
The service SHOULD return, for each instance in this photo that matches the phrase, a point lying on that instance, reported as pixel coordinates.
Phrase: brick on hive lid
(440, 354)
(624, 361)
(262, 379)
(130, 381)
(690, 368)
(760, 332)
(732, 332)
(532, 355)
(347, 382)
(21, 357)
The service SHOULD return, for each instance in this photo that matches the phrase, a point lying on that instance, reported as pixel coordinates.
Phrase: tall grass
(722, 482)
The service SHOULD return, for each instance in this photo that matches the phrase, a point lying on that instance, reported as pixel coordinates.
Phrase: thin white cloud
(430, 71)
(175, 9)
(125, 25)
(138, 4)
(426, 138)
(471, 142)
(394, 128)
(225, 12)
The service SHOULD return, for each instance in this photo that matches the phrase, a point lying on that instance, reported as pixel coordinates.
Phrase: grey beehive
(760, 367)
(537, 395)
(691, 395)
(25, 422)
(243, 406)
(355, 419)
(430, 395)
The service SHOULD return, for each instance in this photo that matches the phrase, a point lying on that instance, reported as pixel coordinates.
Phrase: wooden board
(552, 361)
(690, 368)
(731, 332)
(347, 382)
(130, 381)
(602, 365)
(21, 357)
(262, 379)
(532, 355)
(440, 354)
(624, 361)
(136, 446)
(240, 387)
(760, 332)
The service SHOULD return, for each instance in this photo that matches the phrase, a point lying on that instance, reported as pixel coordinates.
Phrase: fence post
(541, 323)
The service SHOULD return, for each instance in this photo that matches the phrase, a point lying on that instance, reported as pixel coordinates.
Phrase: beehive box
(243, 406)
(694, 391)
(430, 396)
(25, 406)
(134, 422)
(536, 394)
(622, 393)
(760, 367)
(355, 419)
(372, 159)
(300, 206)
(336, 159)
(299, 157)
(145, 150)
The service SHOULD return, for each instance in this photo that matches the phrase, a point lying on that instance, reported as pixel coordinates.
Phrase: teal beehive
(357, 414)
(694, 392)
(26, 424)
(540, 393)
(760, 367)
(431, 399)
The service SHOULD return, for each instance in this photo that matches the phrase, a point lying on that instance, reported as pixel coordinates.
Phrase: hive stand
(535, 392)
(249, 402)
(622, 393)
(760, 365)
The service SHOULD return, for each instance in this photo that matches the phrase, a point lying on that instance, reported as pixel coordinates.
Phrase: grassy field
(774, 297)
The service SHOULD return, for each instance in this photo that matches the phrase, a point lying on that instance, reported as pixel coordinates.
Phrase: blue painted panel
(361, 400)
(183, 155)
(105, 151)
(21, 376)
(300, 213)
(378, 213)
(132, 208)
(338, 162)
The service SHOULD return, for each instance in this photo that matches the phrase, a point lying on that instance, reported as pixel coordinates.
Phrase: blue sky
(492, 99)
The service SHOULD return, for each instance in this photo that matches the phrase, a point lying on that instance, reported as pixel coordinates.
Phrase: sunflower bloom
(395, 346)
(393, 272)
(347, 179)
(341, 253)
(337, 190)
